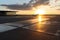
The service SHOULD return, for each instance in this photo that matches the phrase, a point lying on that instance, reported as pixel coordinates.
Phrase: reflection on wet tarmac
(45, 24)
(37, 30)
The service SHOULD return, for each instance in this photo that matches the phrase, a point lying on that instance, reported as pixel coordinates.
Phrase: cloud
(26, 6)
(40, 2)
(17, 7)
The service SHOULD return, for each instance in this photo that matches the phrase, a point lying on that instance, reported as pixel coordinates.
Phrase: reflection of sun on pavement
(39, 18)
(40, 26)
(41, 23)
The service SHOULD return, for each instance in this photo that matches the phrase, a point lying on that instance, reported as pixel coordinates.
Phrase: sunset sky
(48, 10)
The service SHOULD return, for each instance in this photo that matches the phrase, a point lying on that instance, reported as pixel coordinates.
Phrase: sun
(40, 11)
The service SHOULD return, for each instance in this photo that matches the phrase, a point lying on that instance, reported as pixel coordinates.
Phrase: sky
(55, 4)
(13, 1)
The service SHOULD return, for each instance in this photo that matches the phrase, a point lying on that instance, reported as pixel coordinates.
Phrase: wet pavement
(29, 29)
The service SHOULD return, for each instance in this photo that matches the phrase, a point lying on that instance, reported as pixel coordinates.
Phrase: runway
(26, 27)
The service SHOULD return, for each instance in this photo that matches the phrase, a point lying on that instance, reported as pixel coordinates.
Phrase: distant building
(5, 11)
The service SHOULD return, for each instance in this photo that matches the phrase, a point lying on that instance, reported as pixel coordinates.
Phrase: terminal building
(5, 11)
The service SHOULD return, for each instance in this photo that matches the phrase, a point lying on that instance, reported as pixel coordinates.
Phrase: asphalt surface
(8, 19)
(26, 32)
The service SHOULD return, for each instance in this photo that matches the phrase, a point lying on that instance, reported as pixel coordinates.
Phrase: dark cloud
(17, 7)
(27, 6)
(41, 2)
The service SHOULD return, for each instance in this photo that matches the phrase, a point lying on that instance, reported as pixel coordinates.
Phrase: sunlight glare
(40, 11)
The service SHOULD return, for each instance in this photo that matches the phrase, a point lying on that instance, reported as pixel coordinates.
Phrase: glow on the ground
(40, 26)
(39, 18)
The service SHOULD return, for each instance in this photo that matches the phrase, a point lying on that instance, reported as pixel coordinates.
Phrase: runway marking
(4, 28)
(10, 26)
